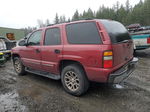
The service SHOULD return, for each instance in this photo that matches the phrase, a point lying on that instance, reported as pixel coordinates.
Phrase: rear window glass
(116, 31)
(83, 33)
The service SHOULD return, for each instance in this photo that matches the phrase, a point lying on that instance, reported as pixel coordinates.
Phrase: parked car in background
(6, 45)
(146, 27)
(77, 53)
(2, 59)
(134, 27)
(2, 44)
(141, 39)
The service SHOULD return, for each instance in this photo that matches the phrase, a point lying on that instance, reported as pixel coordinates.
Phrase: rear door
(121, 41)
(51, 50)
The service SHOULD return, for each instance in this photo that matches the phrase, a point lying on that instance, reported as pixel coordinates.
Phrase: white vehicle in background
(140, 35)
(6, 45)
(141, 39)
(2, 45)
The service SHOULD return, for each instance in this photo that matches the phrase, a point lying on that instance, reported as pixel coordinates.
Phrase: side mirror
(25, 38)
(22, 43)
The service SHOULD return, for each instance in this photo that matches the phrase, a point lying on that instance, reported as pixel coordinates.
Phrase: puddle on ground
(9, 102)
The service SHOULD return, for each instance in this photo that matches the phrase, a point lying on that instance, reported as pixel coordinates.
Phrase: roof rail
(59, 23)
(83, 19)
(71, 21)
(88, 18)
(51, 24)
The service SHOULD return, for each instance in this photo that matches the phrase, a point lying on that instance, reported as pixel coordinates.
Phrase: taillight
(148, 40)
(108, 59)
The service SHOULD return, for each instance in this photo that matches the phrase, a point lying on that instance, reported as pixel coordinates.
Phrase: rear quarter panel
(88, 55)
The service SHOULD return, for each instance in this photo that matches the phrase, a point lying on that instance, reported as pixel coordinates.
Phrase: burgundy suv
(78, 52)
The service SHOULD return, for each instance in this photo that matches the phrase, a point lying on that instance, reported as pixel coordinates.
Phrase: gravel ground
(32, 93)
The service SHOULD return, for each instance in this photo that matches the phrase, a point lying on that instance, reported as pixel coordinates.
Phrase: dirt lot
(32, 93)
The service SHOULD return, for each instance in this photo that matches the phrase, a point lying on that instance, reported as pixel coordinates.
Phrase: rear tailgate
(122, 43)
(122, 53)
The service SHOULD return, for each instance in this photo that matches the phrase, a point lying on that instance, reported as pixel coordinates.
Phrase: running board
(42, 73)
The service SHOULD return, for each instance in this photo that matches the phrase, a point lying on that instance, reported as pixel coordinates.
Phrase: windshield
(117, 32)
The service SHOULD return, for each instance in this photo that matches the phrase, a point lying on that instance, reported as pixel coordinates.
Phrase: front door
(31, 53)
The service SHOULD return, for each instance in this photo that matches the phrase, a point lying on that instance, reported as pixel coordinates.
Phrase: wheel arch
(15, 55)
(64, 63)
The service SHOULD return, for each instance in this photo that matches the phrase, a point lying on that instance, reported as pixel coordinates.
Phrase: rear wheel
(74, 80)
(18, 66)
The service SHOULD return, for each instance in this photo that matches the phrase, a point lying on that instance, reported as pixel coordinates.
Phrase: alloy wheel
(17, 66)
(71, 80)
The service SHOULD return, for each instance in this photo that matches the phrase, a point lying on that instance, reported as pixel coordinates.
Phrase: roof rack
(51, 24)
(88, 18)
(59, 23)
(71, 21)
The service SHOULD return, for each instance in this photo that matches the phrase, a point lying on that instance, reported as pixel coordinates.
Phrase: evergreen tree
(56, 20)
(84, 15)
(75, 16)
(128, 7)
(122, 13)
(62, 19)
(47, 22)
(136, 15)
(116, 8)
(146, 12)
(90, 14)
(68, 20)
(126, 14)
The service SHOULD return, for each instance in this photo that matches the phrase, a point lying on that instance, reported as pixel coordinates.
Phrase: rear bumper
(123, 73)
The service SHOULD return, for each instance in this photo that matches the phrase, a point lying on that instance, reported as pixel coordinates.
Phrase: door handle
(37, 51)
(57, 51)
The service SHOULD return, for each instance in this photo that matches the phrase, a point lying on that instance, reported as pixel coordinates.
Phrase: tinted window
(52, 37)
(83, 33)
(35, 38)
(116, 31)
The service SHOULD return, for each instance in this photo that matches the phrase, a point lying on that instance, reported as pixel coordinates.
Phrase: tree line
(126, 14)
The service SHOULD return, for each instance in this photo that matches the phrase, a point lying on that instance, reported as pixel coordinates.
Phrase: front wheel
(18, 66)
(74, 80)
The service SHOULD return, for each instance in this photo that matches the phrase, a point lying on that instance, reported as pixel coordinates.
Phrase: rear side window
(117, 32)
(52, 37)
(83, 33)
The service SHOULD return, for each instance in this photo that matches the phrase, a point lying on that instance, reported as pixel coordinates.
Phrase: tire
(134, 53)
(18, 66)
(74, 80)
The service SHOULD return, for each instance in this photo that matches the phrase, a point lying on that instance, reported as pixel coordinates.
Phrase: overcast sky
(23, 13)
